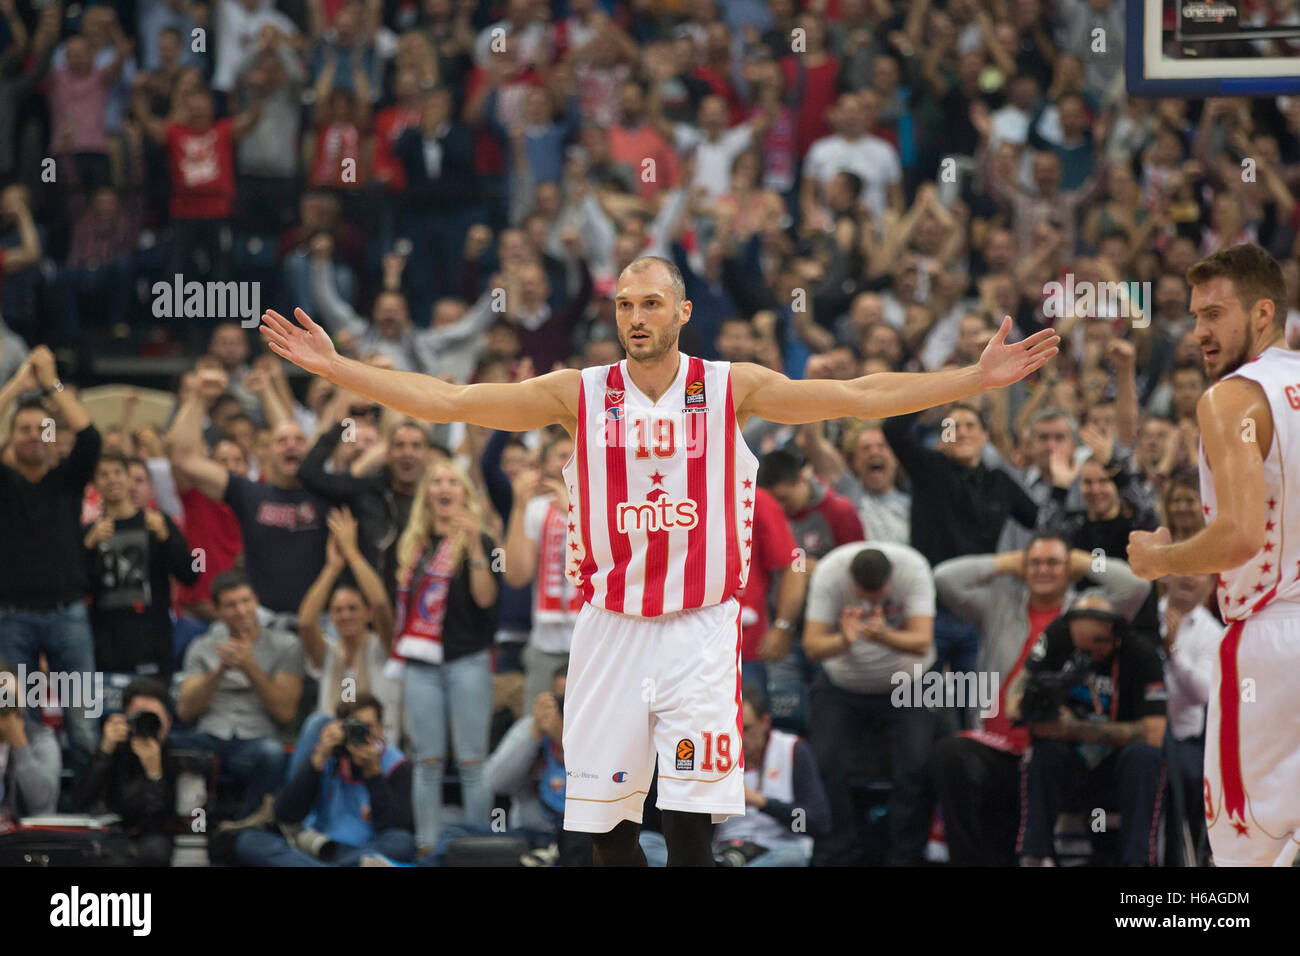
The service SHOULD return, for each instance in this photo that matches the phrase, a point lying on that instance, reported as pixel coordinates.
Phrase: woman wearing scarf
(447, 592)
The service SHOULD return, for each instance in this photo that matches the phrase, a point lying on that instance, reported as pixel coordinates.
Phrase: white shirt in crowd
(1189, 671)
(713, 159)
(868, 157)
(868, 667)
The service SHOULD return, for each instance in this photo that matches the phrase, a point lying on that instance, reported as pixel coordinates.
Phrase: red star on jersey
(573, 545)
(1269, 526)
(748, 503)
(748, 484)
(571, 527)
(749, 522)
(1240, 828)
(1268, 546)
(1258, 588)
(577, 563)
(656, 478)
(1266, 567)
(1272, 503)
(1205, 508)
(570, 507)
(748, 541)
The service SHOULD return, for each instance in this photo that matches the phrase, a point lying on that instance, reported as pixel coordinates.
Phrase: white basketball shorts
(1252, 742)
(644, 687)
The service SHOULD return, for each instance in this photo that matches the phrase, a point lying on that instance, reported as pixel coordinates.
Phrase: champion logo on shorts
(620, 776)
(685, 754)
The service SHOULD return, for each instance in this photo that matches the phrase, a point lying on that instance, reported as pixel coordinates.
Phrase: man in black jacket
(350, 795)
(381, 502)
(133, 774)
(42, 575)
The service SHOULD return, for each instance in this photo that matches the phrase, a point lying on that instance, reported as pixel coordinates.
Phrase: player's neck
(655, 377)
(1270, 339)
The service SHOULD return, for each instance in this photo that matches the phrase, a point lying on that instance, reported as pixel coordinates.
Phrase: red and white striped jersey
(1273, 574)
(661, 493)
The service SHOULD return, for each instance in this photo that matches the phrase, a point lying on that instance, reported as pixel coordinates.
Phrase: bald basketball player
(660, 490)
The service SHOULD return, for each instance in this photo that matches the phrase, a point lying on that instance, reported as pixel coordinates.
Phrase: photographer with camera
(1093, 696)
(133, 774)
(1011, 597)
(350, 792)
(30, 761)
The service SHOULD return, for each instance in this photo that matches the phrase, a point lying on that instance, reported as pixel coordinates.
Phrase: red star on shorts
(656, 478)
(1266, 567)
(748, 503)
(748, 484)
(1240, 828)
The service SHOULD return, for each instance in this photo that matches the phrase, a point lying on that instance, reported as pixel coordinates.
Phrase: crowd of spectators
(364, 619)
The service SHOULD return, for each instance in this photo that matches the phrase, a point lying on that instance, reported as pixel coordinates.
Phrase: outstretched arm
(521, 406)
(772, 396)
(1239, 528)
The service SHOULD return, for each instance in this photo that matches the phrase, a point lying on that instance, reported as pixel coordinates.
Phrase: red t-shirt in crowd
(202, 170)
(213, 527)
(1015, 739)
(335, 144)
(819, 84)
(384, 166)
(773, 550)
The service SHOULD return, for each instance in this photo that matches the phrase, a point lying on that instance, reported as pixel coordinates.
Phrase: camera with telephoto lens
(1045, 691)
(737, 853)
(144, 723)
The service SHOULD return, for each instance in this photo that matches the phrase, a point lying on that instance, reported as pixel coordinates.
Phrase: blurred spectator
(1104, 750)
(447, 590)
(98, 267)
(785, 803)
(348, 793)
(29, 770)
(283, 524)
(131, 553)
(866, 474)
(820, 518)
(268, 154)
(237, 26)
(42, 581)
(134, 774)
(1011, 598)
(350, 660)
(239, 686)
(870, 619)
(778, 580)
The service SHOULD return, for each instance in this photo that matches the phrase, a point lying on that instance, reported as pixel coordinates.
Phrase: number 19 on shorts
(716, 756)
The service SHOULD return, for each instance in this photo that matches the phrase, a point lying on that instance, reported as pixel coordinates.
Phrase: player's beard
(660, 344)
(1236, 360)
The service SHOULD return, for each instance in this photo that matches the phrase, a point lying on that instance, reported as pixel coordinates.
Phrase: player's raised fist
(1144, 551)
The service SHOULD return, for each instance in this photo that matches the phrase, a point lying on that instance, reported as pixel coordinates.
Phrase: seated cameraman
(351, 796)
(785, 802)
(133, 775)
(1093, 696)
(30, 760)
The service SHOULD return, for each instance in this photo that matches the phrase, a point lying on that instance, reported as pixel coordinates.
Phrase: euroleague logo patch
(695, 393)
(685, 754)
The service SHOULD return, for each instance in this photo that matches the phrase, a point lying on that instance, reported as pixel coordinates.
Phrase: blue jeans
(461, 691)
(260, 848)
(64, 635)
(258, 762)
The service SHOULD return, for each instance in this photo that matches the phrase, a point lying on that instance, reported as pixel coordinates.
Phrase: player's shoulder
(1231, 394)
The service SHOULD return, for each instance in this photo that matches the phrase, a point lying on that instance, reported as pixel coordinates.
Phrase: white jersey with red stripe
(661, 493)
(1273, 574)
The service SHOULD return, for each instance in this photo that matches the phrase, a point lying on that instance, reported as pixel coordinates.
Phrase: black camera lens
(144, 723)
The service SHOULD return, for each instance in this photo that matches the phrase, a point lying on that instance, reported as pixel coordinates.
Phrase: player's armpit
(1237, 431)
